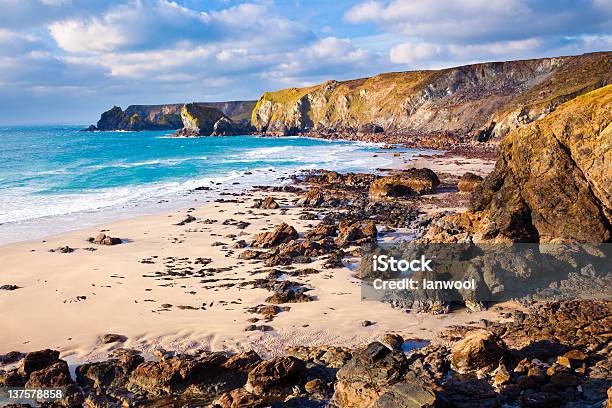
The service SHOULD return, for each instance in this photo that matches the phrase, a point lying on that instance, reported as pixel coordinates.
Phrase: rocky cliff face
(552, 183)
(482, 100)
(200, 120)
(166, 117)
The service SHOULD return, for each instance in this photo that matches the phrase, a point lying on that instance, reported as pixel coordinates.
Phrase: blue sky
(65, 61)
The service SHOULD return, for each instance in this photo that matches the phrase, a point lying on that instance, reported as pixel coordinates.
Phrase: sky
(66, 61)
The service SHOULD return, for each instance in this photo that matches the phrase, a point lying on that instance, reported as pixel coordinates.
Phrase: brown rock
(367, 374)
(479, 352)
(318, 388)
(572, 358)
(407, 183)
(112, 338)
(269, 204)
(282, 233)
(252, 254)
(244, 361)
(199, 120)
(356, 232)
(407, 395)
(37, 360)
(205, 376)
(239, 398)
(103, 239)
(392, 341)
(469, 182)
(552, 182)
(320, 232)
(275, 378)
(313, 198)
(564, 379)
(289, 295)
(501, 376)
(54, 375)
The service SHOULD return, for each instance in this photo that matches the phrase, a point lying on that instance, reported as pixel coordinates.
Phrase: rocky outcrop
(103, 239)
(268, 203)
(555, 355)
(469, 182)
(168, 117)
(361, 380)
(199, 120)
(406, 183)
(479, 352)
(552, 182)
(274, 379)
(483, 101)
(282, 233)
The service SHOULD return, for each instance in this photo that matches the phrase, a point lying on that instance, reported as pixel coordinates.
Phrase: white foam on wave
(166, 162)
(25, 207)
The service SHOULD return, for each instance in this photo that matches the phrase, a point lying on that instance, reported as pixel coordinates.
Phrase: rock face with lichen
(199, 120)
(552, 182)
(168, 117)
(482, 100)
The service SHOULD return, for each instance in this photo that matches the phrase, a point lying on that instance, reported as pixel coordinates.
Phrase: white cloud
(91, 36)
(401, 11)
(410, 53)
(331, 47)
(495, 49)
(56, 3)
(141, 24)
(479, 21)
(434, 33)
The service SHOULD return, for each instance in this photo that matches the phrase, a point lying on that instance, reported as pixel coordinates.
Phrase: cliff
(200, 120)
(481, 100)
(552, 182)
(166, 117)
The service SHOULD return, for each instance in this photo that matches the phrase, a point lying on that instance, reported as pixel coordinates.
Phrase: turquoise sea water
(55, 178)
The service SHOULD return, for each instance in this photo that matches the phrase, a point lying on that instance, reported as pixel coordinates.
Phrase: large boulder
(367, 375)
(199, 120)
(281, 234)
(553, 182)
(239, 398)
(110, 373)
(406, 183)
(276, 378)
(356, 232)
(469, 182)
(318, 197)
(205, 376)
(268, 203)
(44, 369)
(479, 352)
(407, 395)
(103, 239)
(37, 360)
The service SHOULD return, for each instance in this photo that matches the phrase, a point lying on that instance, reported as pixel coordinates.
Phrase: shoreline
(156, 204)
(189, 198)
(125, 287)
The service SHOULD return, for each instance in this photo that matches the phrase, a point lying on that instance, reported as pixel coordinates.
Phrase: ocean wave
(246, 162)
(167, 162)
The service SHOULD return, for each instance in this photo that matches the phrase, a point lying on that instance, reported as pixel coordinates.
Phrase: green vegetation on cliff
(480, 100)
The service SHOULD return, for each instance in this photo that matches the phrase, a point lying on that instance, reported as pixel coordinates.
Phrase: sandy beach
(67, 301)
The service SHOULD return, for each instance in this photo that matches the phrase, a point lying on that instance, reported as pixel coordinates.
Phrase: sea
(56, 178)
